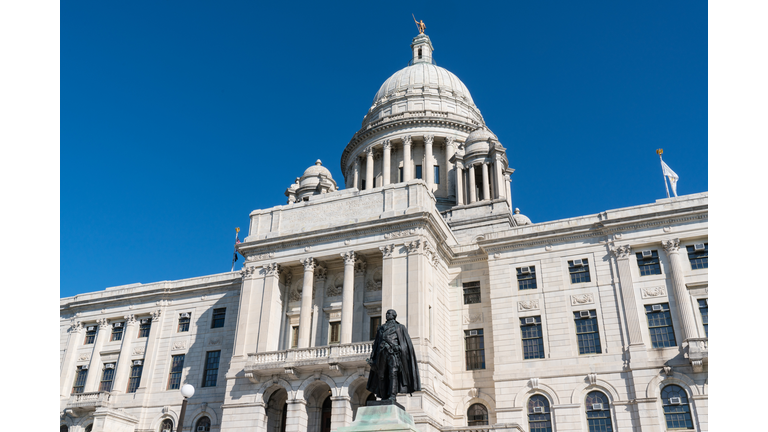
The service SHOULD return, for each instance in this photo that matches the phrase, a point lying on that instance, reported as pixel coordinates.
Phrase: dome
(423, 75)
(520, 219)
(480, 134)
(316, 170)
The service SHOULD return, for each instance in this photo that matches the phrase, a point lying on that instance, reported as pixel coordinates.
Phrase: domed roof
(316, 170)
(480, 134)
(520, 219)
(423, 75)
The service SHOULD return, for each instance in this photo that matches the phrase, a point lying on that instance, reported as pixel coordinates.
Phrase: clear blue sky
(180, 118)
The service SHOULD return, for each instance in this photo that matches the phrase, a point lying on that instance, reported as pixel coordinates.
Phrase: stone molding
(397, 234)
(471, 318)
(658, 291)
(580, 299)
(528, 305)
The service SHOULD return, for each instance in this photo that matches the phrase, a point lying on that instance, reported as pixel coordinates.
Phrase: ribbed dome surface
(480, 134)
(423, 75)
(316, 170)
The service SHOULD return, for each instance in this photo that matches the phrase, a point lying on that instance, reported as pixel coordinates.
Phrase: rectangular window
(579, 270)
(437, 174)
(587, 332)
(218, 318)
(375, 323)
(400, 173)
(144, 327)
(117, 332)
(80, 377)
(211, 371)
(533, 339)
(107, 377)
(135, 378)
(333, 333)
(362, 184)
(526, 277)
(660, 325)
(471, 292)
(703, 310)
(90, 335)
(183, 323)
(474, 348)
(174, 379)
(698, 258)
(418, 171)
(648, 263)
(295, 337)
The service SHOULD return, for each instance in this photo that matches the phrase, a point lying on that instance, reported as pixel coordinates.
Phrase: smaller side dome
(316, 180)
(479, 141)
(520, 219)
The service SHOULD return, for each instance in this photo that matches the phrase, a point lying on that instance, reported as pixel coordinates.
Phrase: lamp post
(187, 391)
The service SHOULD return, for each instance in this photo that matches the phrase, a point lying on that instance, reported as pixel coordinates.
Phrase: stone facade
(527, 320)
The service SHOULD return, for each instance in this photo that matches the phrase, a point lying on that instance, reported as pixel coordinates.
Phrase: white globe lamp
(187, 390)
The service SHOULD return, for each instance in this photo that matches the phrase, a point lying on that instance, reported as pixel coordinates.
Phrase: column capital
(387, 250)
(288, 278)
(349, 257)
(75, 326)
(248, 272)
(449, 141)
(272, 269)
(621, 252)
(156, 315)
(321, 273)
(671, 245)
(130, 319)
(103, 323)
(386, 144)
(428, 139)
(309, 263)
(407, 140)
(369, 151)
(416, 246)
(360, 265)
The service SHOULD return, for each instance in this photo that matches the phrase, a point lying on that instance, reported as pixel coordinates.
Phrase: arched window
(539, 419)
(89, 428)
(677, 412)
(419, 52)
(203, 425)
(598, 412)
(64, 428)
(477, 415)
(166, 425)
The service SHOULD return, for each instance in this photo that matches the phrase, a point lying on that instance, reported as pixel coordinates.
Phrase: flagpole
(659, 152)
(234, 256)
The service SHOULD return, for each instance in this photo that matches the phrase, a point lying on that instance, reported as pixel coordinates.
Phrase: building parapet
(295, 361)
(89, 401)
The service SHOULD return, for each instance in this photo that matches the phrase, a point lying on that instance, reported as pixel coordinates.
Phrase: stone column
(508, 188)
(124, 360)
(622, 254)
(369, 168)
(150, 353)
(356, 173)
(271, 307)
(459, 184)
(450, 170)
(407, 163)
(296, 418)
(359, 309)
(682, 298)
(472, 187)
(501, 184)
(347, 297)
(305, 317)
(387, 168)
(387, 276)
(67, 372)
(94, 367)
(318, 294)
(417, 288)
(429, 170)
(486, 182)
(341, 412)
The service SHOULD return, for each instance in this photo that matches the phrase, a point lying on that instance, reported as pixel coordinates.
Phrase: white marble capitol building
(593, 323)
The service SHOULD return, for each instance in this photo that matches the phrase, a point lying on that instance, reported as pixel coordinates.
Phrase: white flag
(671, 176)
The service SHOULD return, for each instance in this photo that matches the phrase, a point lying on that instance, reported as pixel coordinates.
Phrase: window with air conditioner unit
(473, 332)
(109, 366)
(117, 324)
(474, 349)
(675, 401)
(184, 315)
(532, 338)
(137, 363)
(145, 321)
(538, 409)
(530, 320)
(698, 255)
(597, 407)
(660, 325)
(579, 270)
(657, 307)
(577, 263)
(583, 314)
(91, 328)
(698, 247)
(525, 270)
(84, 367)
(526, 277)
(587, 332)
(648, 262)
(647, 254)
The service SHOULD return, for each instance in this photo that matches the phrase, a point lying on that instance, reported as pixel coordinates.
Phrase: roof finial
(318, 162)
(419, 24)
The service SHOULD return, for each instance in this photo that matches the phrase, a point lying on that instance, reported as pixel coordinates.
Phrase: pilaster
(150, 354)
(622, 254)
(407, 159)
(341, 412)
(387, 168)
(68, 366)
(124, 360)
(268, 332)
(387, 279)
(347, 297)
(249, 312)
(682, 298)
(305, 316)
(449, 168)
(359, 309)
(94, 367)
(429, 170)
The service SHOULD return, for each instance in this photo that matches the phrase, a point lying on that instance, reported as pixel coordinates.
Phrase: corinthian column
(124, 361)
(150, 354)
(622, 254)
(684, 310)
(68, 367)
(459, 184)
(450, 172)
(472, 188)
(356, 171)
(407, 159)
(429, 170)
(501, 184)
(387, 165)
(359, 281)
(347, 297)
(94, 367)
(305, 316)
(486, 183)
(369, 168)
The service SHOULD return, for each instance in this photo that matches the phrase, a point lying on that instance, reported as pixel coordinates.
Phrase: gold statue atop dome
(420, 24)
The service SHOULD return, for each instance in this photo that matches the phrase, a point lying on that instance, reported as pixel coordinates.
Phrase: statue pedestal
(381, 418)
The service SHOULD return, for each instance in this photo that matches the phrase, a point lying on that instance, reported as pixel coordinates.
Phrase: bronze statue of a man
(393, 361)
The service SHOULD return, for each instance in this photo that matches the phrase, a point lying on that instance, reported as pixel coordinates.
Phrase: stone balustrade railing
(497, 427)
(89, 400)
(357, 351)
